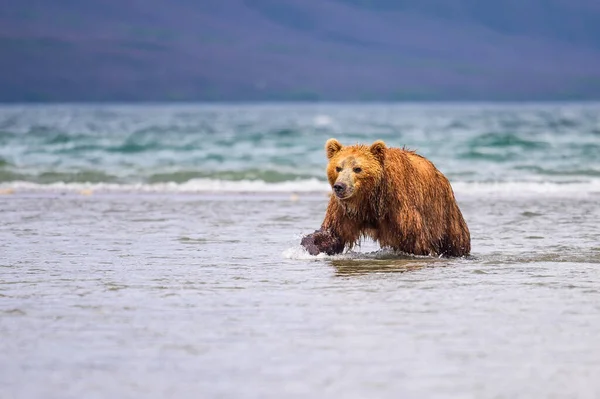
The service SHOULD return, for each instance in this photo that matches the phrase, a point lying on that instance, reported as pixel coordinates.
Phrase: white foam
(372, 252)
(299, 253)
(462, 189)
(524, 188)
(191, 186)
(323, 120)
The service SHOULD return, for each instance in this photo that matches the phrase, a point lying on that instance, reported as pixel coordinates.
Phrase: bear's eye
(338, 169)
(357, 170)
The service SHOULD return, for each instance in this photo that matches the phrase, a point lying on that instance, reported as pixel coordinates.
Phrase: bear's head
(356, 170)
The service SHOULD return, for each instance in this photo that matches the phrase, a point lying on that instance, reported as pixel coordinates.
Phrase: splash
(299, 253)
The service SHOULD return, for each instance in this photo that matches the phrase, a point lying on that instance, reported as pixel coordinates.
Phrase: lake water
(154, 251)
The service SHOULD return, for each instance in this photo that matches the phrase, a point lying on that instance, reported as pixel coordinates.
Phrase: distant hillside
(245, 50)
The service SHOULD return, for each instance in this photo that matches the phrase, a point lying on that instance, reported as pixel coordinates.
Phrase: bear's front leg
(323, 240)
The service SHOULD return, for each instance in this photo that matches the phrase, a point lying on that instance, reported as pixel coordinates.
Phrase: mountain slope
(157, 50)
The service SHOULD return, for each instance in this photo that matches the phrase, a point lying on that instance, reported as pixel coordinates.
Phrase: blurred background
(308, 50)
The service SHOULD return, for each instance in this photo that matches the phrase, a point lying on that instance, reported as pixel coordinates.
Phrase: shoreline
(282, 196)
(462, 190)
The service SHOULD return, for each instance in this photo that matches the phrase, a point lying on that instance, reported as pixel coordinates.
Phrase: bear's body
(394, 196)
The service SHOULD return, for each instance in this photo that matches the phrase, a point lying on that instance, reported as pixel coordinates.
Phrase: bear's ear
(378, 150)
(332, 147)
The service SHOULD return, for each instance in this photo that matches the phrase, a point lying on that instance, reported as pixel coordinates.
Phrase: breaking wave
(462, 189)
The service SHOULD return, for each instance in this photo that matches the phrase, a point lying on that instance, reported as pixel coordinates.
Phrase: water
(280, 147)
(153, 251)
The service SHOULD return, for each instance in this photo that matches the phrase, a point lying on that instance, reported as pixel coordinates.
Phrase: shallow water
(200, 295)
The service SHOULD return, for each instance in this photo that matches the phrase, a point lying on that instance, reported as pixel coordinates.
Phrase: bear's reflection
(349, 267)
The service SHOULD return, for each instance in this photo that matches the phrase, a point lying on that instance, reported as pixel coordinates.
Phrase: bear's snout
(342, 190)
(339, 188)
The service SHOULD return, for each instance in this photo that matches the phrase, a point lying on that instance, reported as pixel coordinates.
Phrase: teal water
(217, 147)
(153, 251)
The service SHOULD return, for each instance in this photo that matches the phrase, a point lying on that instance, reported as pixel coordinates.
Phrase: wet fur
(399, 199)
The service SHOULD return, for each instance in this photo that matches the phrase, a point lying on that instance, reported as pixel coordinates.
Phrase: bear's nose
(339, 187)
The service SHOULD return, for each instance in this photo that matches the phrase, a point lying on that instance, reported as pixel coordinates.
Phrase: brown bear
(394, 196)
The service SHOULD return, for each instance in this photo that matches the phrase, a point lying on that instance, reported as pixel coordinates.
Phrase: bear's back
(408, 169)
(423, 195)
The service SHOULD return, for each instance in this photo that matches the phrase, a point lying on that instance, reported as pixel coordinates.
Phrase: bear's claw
(322, 241)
